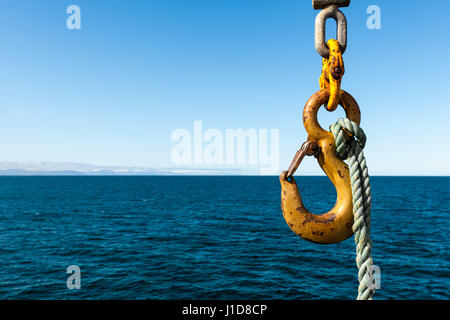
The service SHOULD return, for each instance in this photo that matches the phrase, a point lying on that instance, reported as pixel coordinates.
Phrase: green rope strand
(352, 150)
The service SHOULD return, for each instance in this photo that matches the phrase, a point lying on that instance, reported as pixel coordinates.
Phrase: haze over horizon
(30, 168)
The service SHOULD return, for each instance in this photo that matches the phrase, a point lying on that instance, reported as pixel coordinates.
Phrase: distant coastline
(44, 168)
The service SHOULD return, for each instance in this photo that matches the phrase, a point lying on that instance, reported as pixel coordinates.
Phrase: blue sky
(113, 92)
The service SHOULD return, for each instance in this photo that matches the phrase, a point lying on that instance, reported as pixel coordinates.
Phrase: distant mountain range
(40, 168)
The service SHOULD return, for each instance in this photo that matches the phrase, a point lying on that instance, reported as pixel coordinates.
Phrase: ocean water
(211, 238)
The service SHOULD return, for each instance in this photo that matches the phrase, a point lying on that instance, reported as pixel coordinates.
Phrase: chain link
(332, 11)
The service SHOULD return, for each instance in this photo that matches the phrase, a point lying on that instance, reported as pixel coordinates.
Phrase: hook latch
(309, 148)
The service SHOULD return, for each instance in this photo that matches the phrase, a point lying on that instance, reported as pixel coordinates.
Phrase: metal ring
(320, 30)
(312, 126)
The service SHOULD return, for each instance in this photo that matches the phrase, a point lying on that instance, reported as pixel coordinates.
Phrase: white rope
(352, 150)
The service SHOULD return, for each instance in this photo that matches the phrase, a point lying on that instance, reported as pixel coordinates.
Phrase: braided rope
(352, 150)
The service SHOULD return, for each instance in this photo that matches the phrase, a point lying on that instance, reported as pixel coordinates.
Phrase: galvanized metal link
(322, 4)
(331, 11)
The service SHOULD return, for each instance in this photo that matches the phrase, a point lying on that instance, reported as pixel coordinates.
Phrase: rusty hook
(336, 225)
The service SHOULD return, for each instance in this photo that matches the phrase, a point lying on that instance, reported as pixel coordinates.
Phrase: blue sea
(158, 237)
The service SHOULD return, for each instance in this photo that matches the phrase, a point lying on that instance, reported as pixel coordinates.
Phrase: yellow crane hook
(336, 225)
